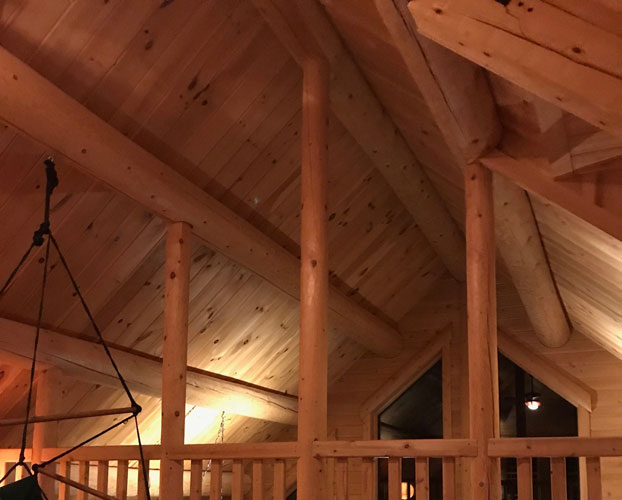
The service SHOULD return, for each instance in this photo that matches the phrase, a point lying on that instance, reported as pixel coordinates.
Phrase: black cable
(38, 240)
(17, 268)
(95, 327)
(135, 405)
(22, 452)
(8, 473)
(83, 443)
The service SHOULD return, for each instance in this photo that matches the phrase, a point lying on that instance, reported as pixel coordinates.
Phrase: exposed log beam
(544, 49)
(533, 177)
(531, 124)
(521, 250)
(39, 109)
(537, 128)
(554, 377)
(596, 152)
(461, 101)
(306, 31)
(455, 90)
(86, 360)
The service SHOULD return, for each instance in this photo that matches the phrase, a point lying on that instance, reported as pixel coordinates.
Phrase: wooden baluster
(4, 467)
(196, 480)
(594, 480)
(83, 478)
(279, 480)
(329, 477)
(395, 478)
(257, 480)
(215, 488)
(449, 478)
(142, 487)
(558, 479)
(48, 401)
(122, 469)
(237, 481)
(64, 469)
(341, 478)
(524, 478)
(102, 476)
(368, 479)
(422, 478)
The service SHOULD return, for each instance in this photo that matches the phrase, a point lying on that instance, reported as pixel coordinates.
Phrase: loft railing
(260, 469)
(217, 470)
(339, 455)
(557, 450)
(254, 456)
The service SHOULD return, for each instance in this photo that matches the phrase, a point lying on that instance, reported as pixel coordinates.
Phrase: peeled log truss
(163, 114)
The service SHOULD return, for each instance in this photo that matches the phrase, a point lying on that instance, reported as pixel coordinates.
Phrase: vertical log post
(312, 399)
(175, 354)
(482, 329)
(45, 435)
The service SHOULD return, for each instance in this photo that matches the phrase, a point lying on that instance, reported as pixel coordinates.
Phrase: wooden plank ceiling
(585, 261)
(207, 88)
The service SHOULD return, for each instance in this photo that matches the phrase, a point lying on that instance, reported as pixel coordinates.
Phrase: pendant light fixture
(532, 398)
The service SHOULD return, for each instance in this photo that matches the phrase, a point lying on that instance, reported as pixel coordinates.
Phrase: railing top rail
(429, 448)
(120, 452)
(232, 451)
(274, 450)
(555, 447)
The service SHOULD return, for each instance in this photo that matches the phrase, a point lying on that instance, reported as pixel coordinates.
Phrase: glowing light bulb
(533, 401)
(408, 490)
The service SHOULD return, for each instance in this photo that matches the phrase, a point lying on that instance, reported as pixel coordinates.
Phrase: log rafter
(85, 360)
(34, 106)
(550, 52)
(460, 99)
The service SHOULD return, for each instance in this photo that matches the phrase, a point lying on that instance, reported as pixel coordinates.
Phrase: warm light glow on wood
(408, 490)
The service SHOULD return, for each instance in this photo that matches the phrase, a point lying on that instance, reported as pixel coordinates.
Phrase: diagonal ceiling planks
(136, 84)
(305, 29)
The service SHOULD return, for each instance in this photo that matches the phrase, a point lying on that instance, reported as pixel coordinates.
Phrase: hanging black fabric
(24, 489)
